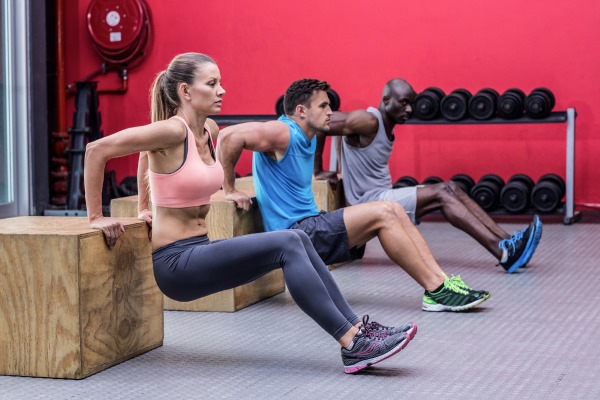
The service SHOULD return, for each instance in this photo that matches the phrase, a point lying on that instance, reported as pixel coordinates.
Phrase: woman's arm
(153, 137)
(144, 211)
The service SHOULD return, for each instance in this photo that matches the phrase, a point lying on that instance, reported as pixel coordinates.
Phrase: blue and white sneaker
(536, 225)
(517, 248)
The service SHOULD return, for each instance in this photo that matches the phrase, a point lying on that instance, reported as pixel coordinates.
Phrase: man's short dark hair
(300, 92)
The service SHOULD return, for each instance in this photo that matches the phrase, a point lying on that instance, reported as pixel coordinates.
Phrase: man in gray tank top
(366, 148)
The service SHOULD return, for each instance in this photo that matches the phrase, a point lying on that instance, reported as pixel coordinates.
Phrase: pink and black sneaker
(410, 328)
(373, 346)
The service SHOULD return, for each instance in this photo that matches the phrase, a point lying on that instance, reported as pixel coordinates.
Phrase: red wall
(262, 46)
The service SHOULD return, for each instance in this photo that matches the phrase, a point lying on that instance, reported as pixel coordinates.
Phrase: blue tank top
(284, 188)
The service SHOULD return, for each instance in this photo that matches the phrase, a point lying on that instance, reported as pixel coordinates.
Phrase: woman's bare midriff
(172, 224)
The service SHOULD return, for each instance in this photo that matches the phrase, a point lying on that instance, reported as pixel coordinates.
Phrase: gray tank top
(365, 171)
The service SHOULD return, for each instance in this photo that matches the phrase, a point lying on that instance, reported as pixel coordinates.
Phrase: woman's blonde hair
(164, 100)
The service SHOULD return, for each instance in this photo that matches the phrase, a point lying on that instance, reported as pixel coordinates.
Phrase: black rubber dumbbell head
(405, 181)
(483, 104)
(516, 193)
(465, 182)
(432, 180)
(455, 106)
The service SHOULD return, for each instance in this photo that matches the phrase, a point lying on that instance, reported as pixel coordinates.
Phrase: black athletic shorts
(328, 234)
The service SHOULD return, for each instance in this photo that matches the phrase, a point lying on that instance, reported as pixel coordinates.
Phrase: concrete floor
(535, 338)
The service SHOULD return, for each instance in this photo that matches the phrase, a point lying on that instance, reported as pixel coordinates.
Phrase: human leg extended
(366, 221)
(367, 354)
(410, 199)
(196, 267)
(326, 277)
(464, 213)
(334, 291)
(403, 243)
(208, 267)
(461, 211)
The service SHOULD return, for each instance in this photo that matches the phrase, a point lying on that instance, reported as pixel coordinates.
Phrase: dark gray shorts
(328, 234)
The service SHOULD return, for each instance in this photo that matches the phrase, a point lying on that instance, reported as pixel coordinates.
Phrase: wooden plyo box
(70, 306)
(327, 199)
(245, 184)
(223, 221)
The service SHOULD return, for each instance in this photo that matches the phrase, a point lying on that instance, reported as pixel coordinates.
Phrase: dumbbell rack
(567, 116)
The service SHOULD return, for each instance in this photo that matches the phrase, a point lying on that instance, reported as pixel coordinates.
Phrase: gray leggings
(196, 267)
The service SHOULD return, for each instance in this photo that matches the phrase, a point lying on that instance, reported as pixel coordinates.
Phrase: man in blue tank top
(283, 160)
(367, 141)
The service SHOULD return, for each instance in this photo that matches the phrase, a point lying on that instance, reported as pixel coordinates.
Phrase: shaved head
(397, 100)
(398, 86)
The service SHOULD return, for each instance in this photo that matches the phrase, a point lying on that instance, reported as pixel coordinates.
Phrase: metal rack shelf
(554, 117)
(567, 116)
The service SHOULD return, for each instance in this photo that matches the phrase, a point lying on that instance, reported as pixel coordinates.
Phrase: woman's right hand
(111, 228)
(146, 215)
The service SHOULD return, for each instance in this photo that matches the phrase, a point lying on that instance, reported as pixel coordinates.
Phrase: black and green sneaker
(457, 280)
(452, 298)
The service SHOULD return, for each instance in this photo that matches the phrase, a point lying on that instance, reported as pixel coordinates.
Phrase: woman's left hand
(111, 228)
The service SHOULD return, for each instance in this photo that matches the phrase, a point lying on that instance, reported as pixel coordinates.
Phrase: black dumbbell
(547, 194)
(539, 103)
(455, 106)
(465, 182)
(511, 104)
(279, 106)
(515, 194)
(432, 180)
(483, 104)
(334, 99)
(405, 181)
(427, 103)
(487, 191)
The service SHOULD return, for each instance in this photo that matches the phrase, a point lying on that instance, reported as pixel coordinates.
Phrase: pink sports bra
(193, 183)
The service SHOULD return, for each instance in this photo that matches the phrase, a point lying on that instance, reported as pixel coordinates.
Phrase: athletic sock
(504, 256)
(436, 290)
(351, 345)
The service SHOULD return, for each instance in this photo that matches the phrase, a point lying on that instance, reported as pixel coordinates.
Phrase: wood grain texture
(121, 305)
(266, 286)
(327, 199)
(53, 318)
(124, 207)
(245, 184)
(225, 220)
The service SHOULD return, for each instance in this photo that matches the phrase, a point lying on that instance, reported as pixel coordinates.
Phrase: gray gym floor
(533, 339)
